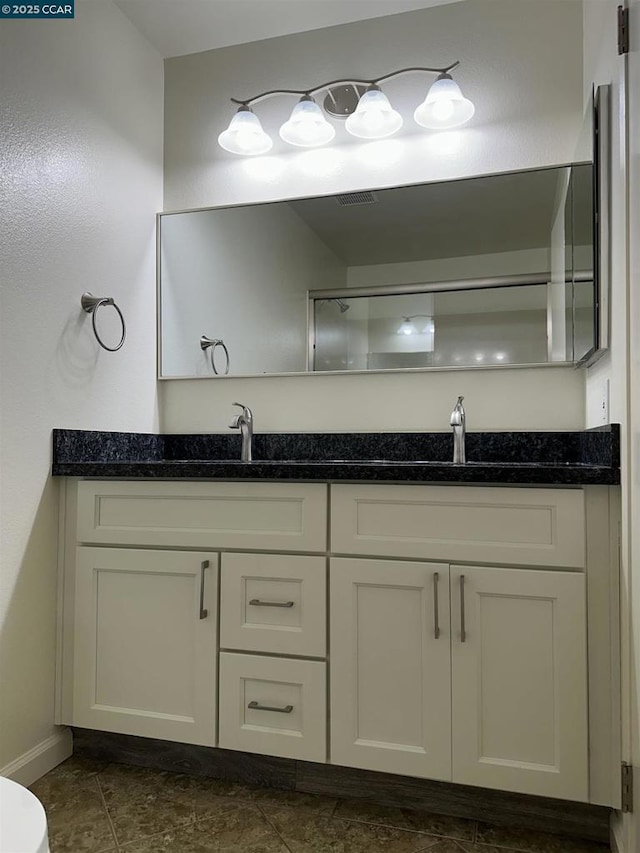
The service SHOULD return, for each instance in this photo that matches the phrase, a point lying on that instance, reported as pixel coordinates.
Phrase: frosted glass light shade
(445, 106)
(307, 126)
(245, 134)
(407, 328)
(429, 336)
(374, 117)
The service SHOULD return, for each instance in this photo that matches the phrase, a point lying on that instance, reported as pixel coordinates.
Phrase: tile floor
(115, 808)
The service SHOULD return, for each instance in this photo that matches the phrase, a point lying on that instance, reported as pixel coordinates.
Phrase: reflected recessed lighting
(479, 357)
(500, 356)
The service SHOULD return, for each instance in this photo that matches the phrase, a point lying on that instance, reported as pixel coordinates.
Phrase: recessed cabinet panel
(260, 516)
(142, 632)
(145, 643)
(538, 527)
(519, 681)
(390, 667)
(273, 706)
(274, 603)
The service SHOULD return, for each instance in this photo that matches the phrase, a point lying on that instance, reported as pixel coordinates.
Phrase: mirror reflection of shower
(339, 302)
(334, 334)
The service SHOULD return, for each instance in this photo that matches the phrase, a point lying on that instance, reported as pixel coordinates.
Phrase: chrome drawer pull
(258, 603)
(203, 611)
(463, 627)
(255, 706)
(436, 624)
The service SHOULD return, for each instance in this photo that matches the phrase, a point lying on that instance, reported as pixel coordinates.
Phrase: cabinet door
(145, 643)
(391, 667)
(519, 681)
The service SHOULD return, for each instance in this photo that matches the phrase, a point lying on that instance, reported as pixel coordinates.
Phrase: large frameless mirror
(483, 272)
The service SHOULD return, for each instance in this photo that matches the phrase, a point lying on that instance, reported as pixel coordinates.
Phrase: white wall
(242, 276)
(80, 182)
(529, 114)
(519, 399)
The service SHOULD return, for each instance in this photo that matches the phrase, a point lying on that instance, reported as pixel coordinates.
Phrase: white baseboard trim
(30, 766)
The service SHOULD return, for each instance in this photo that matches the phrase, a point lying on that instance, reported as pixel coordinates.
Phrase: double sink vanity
(355, 600)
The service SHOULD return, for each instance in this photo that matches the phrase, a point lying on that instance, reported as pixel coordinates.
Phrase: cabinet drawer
(537, 527)
(273, 706)
(274, 603)
(260, 516)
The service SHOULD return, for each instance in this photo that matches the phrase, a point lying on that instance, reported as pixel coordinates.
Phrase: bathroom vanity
(426, 627)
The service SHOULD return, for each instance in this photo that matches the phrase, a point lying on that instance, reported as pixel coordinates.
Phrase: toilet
(23, 823)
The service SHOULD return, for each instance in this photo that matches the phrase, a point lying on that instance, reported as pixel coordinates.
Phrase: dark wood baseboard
(502, 808)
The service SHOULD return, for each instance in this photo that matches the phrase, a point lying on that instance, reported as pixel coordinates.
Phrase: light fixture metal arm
(414, 68)
(331, 83)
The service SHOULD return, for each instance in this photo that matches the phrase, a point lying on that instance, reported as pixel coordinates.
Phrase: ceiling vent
(356, 198)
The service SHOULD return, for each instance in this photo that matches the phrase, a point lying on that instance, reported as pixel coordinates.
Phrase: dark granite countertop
(590, 457)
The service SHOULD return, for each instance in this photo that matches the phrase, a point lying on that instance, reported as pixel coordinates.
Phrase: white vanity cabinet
(466, 634)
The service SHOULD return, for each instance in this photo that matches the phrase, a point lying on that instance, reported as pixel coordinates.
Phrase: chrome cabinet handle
(256, 706)
(203, 566)
(258, 603)
(436, 628)
(463, 630)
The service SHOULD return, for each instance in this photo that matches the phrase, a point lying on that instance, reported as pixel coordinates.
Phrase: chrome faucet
(244, 422)
(459, 423)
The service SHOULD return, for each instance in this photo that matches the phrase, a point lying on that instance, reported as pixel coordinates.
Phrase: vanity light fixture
(367, 110)
(245, 134)
(307, 127)
(409, 328)
(374, 117)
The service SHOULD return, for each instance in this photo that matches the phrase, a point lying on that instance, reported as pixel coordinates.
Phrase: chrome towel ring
(211, 344)
(90, 304)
